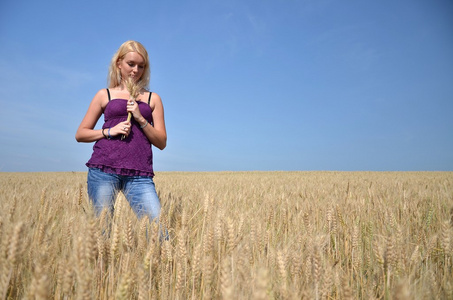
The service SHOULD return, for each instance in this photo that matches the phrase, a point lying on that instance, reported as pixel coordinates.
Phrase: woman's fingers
(123, 128)
(132, 107)
(126, 128)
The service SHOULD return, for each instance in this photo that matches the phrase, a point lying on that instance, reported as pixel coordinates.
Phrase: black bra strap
(108, 92)
(149, 99)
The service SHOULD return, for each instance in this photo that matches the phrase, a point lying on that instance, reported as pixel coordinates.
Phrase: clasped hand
(132, 107)
(121, 128)
(124, 128)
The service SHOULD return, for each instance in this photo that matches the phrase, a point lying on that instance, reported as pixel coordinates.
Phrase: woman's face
(132, 65)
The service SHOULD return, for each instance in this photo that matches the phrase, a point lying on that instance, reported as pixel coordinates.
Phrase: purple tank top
(132, 156)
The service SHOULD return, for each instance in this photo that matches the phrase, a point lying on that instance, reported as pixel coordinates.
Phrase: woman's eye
(130, 65)
(141, 67)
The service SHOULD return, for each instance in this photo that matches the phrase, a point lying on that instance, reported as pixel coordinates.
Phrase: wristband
(143, 126)
(103, 133)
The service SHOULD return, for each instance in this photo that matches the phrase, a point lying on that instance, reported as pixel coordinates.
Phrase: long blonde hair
(114, 77)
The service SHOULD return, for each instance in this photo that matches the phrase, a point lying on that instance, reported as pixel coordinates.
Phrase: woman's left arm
(156, 134)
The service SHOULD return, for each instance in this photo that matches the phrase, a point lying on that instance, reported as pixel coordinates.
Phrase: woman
(122, 157)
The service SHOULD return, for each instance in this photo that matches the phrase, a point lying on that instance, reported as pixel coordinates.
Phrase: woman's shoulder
(154, 96)
(101, 97)
(102, 93)
(155, 101)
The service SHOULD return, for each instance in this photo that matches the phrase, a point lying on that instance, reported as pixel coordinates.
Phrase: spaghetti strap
(149, 98)
(108, 92)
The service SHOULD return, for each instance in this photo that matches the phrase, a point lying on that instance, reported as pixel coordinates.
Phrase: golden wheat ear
(134, 89)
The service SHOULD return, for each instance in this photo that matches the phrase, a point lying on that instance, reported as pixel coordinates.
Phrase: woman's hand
(120, 128)
(132, 107)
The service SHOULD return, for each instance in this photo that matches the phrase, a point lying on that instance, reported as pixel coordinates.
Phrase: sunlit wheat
(232, 235)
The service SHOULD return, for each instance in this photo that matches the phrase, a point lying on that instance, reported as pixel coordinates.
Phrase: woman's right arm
(86, 133)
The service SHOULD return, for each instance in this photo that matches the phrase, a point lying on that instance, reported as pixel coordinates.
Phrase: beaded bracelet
(143, 126)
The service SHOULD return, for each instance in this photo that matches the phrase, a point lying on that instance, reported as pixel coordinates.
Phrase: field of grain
(233, 235)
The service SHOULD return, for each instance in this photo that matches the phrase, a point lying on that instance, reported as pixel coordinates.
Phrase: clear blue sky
(246, 85)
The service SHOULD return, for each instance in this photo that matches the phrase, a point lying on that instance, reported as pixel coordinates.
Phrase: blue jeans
(139, 191)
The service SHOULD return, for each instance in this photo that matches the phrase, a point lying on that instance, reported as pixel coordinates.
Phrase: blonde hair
(114, 77)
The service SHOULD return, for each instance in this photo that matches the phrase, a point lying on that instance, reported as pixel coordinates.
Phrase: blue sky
(246, 85)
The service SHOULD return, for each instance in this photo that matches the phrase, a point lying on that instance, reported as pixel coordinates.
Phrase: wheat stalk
(134, 89)
(259, 235)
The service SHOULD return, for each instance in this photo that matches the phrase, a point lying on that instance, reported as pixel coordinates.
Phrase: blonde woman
(122, 158)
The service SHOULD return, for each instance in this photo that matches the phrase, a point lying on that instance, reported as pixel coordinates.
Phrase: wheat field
(232, 235)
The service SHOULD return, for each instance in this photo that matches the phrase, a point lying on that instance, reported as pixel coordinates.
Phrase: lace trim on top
(120, 171)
